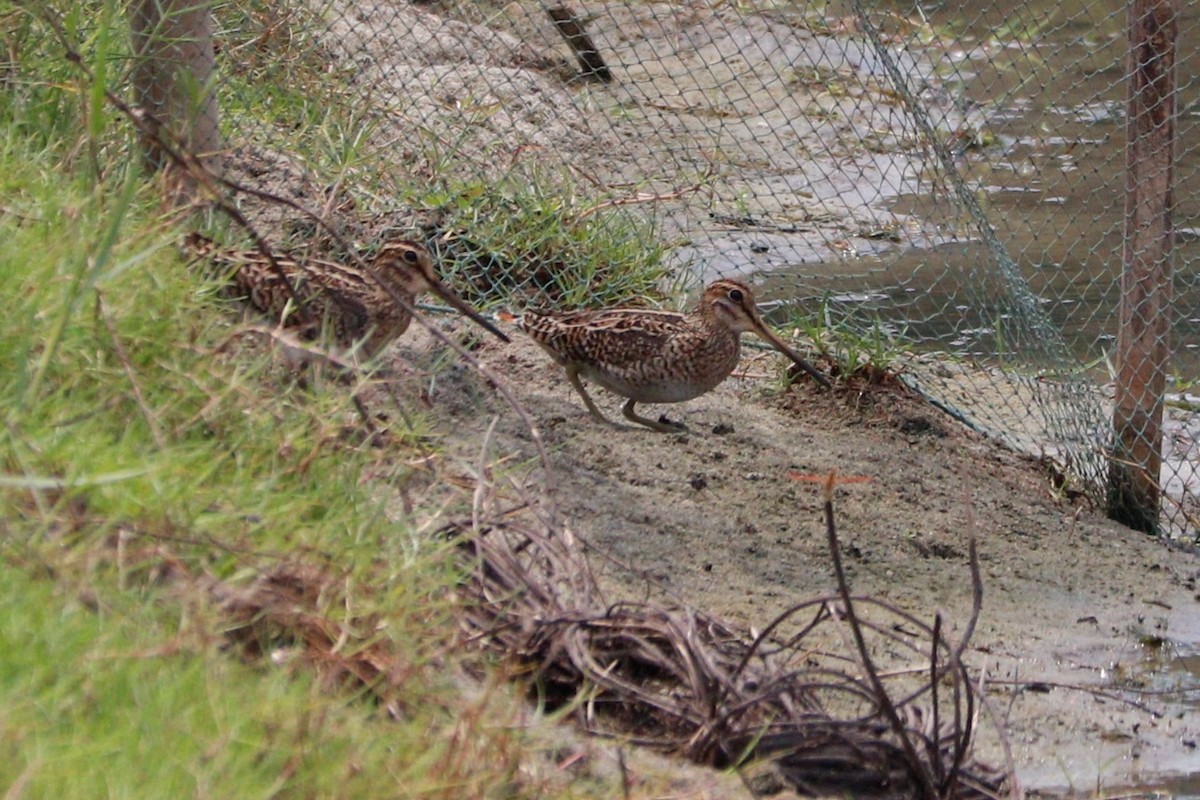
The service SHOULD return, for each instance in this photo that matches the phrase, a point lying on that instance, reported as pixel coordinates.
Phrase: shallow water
(1048, 79)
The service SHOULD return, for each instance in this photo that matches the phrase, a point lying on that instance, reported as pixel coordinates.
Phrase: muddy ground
(714, 519)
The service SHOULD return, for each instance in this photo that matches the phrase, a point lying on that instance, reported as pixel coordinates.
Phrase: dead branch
(889, 709)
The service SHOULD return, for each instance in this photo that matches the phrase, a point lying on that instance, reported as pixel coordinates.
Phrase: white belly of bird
(652, 390)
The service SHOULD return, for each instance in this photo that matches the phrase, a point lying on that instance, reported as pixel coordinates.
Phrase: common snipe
(356, 307)
(656, 356)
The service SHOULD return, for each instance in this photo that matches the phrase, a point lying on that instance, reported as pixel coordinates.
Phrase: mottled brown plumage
(655, 356)
(357, 308)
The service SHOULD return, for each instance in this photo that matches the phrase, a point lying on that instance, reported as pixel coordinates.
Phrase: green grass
(869, 353)
(555, 245)
(110, 703)
(123, 421)
(271, 62)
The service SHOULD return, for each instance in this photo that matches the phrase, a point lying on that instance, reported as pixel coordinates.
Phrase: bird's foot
(662, 424)
(670, 426)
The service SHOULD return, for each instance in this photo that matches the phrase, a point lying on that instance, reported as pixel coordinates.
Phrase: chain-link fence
(940, 184)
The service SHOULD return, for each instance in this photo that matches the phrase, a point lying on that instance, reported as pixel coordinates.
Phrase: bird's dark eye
(735, 295)
(410, 256)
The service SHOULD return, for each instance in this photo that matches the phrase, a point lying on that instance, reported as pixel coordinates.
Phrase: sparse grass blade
(870, 352)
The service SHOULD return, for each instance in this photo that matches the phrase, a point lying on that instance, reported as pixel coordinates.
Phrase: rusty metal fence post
(1145, 310)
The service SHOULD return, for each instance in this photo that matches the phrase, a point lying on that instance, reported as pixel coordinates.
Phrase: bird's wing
(617, 338)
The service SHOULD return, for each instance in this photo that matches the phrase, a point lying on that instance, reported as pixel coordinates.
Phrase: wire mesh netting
(940, 186)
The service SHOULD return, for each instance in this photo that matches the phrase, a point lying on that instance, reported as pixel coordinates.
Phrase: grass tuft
(854, 353)
(529, 236)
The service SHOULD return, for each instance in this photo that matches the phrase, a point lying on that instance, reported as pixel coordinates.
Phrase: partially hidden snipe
(357, 308)
(650, 356)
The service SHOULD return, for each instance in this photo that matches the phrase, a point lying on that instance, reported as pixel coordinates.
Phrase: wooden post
(570, 26)
(173, 73)
(1133, 487)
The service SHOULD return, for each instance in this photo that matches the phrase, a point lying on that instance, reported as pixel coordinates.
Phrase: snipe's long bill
(656, 356)
(423, 279)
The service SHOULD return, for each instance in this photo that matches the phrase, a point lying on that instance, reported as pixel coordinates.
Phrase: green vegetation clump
(530, 237)
(872, 352)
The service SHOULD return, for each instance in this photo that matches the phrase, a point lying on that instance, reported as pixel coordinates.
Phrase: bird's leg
(573, 377)
(665, 427)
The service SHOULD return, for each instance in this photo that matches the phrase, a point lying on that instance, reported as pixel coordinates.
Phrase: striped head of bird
(408, 269)
(731, 304)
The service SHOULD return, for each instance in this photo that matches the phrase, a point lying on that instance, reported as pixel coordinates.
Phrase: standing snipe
(655, 356)
(358, 308)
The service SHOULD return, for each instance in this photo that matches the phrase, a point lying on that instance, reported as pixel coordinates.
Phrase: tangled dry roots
(680, 681)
